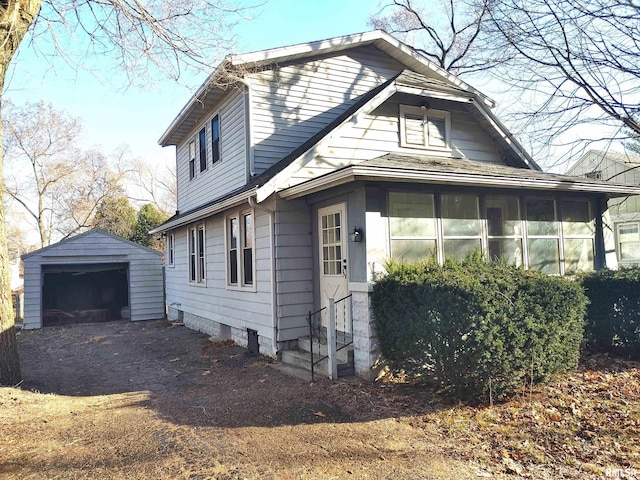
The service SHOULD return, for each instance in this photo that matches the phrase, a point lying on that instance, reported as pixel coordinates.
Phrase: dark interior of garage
(84, 293)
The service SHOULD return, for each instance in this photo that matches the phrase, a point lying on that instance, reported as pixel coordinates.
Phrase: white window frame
(171, 250)
(524, 236)
(620, 225)
(197, 254)
(202, 151)
(241, 283)
(216, 144)
(426, 113)
(191, 164)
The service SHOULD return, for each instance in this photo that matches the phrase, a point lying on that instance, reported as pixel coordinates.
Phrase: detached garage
(92, 277)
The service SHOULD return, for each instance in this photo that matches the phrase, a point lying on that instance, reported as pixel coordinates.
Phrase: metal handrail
(320, 335)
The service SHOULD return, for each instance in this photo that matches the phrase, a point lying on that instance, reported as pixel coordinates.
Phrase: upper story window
(192, 159)
(202, 141)
(215, 139)
(426, 128)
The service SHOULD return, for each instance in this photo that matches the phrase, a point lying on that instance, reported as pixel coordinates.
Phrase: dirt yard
(149, 400)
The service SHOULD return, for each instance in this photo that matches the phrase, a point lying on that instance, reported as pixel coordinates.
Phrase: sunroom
(413, 207)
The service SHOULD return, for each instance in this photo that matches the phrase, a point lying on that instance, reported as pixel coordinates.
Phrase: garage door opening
(84, 293)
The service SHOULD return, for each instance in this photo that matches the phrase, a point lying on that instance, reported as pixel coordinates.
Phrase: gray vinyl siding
(294, 267)
(293, 102)
(379, 133)
(230, 171)
(214, 300)
(146, 294)
(618, 172)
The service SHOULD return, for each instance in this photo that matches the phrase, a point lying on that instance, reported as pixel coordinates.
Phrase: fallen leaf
(319, 414)
(206, 372)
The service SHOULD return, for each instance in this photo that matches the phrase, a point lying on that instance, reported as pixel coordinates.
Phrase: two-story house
(301, 169)
(624, 211)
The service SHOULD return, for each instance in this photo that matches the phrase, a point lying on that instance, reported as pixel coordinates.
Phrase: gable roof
(229, 73)
(93, 231)
(515, 154)
(458, 172)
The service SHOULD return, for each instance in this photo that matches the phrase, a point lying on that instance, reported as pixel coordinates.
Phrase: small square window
(425, 128)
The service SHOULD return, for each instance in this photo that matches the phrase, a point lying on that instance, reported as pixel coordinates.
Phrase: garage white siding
(146, 285)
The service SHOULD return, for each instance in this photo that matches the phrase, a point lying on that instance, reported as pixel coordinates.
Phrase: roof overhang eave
(194, 101)
(364, 173)
(196, 215)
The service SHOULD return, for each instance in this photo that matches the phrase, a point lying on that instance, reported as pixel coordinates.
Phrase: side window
(202, 141)
(170, 250)
(215, 139)
(240, 249)
(424, 128)
(197, 255)
(629, 242)
(192, 159)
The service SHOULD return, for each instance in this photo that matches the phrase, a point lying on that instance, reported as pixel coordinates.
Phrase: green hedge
(613, 316)
(473, 324)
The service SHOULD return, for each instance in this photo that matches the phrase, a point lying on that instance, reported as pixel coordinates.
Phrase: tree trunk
(15, 18)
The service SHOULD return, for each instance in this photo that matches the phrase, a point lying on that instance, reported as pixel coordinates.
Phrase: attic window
(426, 128)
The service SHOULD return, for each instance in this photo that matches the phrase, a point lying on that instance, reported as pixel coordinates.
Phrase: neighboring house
(94, 276)
(624, 211)
(301, 169)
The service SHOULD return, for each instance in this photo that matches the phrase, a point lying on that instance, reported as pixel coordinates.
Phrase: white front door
(332, 230)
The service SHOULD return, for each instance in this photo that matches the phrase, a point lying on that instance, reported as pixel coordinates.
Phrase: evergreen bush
(474, 326)
(613, 315)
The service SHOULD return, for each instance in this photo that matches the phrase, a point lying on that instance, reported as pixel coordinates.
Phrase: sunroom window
(504, 229)
(461, 228)
(578, 233)
(543, 235)
(412, 225)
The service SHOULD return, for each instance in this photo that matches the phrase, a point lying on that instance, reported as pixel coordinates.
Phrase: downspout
(272, 248)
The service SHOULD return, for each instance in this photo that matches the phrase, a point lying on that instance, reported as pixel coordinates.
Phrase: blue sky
(113, 116)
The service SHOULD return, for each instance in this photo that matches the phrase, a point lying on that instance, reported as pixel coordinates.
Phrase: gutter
(356, 172)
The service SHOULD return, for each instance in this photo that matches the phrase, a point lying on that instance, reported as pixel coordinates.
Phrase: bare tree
(156, 185)
(577, 62)
(139, 36)
(58, 184)
(447, 32)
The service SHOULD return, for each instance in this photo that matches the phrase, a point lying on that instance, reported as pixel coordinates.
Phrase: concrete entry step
(344, 354)
(302, 359)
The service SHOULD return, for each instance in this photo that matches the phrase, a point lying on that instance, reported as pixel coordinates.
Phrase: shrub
(613, 316)
(467, 324)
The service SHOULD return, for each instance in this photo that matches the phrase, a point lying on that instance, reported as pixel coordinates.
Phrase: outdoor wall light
(357, 235)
